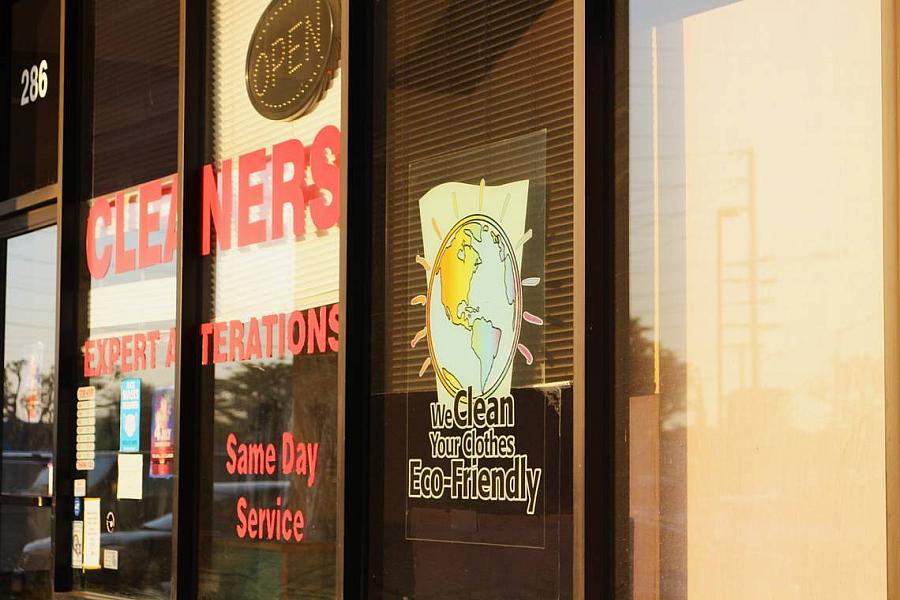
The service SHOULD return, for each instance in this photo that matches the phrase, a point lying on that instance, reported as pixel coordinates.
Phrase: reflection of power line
(748, 343)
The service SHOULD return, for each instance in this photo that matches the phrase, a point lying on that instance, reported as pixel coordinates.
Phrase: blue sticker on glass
(130, 415)
(77, 507)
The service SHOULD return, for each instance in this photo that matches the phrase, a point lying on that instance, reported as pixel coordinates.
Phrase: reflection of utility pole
(752, 271)
(722, 214)
(656, 274)
(749, 280)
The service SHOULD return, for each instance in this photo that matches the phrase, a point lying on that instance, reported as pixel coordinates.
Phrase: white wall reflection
(756, 141)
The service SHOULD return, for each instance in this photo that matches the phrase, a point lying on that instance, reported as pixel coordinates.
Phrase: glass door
(29, 402)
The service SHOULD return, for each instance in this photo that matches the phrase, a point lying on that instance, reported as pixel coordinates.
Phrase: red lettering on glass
(316, 326)
(98, 266)
(296, 332)
(250, 231)
(170, 348)
(148, 254)
(216, 208)
(334, 327)
(325, 166)
(171, 235)
(288, 190)
(124, 258)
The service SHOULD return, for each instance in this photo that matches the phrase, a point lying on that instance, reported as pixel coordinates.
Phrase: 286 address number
(34, 83)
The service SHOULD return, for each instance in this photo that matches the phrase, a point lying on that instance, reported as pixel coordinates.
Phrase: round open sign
(292, 58)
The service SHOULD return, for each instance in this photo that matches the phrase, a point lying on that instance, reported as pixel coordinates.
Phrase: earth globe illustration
(474, 307)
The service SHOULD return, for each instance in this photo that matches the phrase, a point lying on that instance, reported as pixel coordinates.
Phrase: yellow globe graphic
(474, 307)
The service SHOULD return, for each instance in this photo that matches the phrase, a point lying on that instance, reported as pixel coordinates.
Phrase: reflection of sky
(671, 182)
(666, 16)
(31, 296)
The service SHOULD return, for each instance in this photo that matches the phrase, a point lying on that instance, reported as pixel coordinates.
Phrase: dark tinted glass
(25, 552)
(134, 134)
(473, 352)
(34, 95)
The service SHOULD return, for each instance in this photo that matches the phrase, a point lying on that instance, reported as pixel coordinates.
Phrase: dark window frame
(25, 213)
(606, 561)
(48, 194)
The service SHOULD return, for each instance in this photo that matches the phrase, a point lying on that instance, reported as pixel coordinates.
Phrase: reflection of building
(731, 157)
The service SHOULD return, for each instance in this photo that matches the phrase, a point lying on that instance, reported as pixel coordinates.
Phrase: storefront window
(472, 319)
(125, 442)
(757, 300)
(728, 312)
(271, 207)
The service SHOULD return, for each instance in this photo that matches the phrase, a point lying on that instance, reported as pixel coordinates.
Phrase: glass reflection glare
(756, 268)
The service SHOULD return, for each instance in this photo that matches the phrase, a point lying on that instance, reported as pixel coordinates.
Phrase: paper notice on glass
(111, 559)
(162, 433)
(77, 543)
(80, 486)
(131, 477)
(85, 429)
(130, 415)
(91, 538)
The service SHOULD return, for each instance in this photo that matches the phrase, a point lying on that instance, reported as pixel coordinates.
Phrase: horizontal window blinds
(463, 75)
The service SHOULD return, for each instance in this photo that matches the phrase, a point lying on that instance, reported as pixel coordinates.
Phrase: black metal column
(190, 410)
(606, 526)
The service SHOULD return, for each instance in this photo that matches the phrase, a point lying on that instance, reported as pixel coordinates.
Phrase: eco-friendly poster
(162, 433)
(473, 237)
(476, 443)
(130, 415)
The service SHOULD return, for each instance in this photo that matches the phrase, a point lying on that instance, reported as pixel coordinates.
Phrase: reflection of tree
(17, 433)
(255, 400)
(259, 401)
(672, 376)
(315, 419)
(672, 450)
(107, 394)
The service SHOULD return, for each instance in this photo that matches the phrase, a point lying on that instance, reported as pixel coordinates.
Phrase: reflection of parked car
(24, 474)
(21, 471)
(153, 539)
(28, 474)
